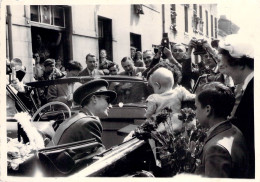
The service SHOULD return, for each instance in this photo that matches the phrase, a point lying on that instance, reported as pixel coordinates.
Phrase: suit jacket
(245, 121)
(58, 92)
(136, 70)
(86, 72)
(188, 73)
(224, 154)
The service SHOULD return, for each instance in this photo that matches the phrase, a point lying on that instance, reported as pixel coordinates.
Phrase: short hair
(17, 61)
(243, 61)
(146, 51)
(218, 96)
(89, 55)
(103, 50)
(132, 48)
(113, 65)
(126, 58)
(74, 66)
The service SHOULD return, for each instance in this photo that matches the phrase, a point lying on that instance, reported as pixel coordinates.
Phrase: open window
(105, 36)
(136, 41)
(51, 31)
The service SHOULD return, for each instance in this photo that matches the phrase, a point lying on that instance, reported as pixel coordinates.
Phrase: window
(136, 41)
(173, 17)
(52, 15)
(216, 28)
(173, 14)
(212, 25)
(201, 12)
(195, 8)
(186, 18)
(201, 21)
(105, 36)
(207, 23)
(195, 19)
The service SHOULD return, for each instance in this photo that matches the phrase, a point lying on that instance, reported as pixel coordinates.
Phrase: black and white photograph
(127, 90)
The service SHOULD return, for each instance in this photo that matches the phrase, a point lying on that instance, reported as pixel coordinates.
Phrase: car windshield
(130, 92)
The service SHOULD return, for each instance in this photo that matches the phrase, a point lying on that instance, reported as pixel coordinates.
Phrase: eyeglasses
(177, 50)
(107, 98)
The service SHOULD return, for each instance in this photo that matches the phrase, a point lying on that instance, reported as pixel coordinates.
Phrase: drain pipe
(10, 33)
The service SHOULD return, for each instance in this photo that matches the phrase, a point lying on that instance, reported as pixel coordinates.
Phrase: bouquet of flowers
(18, 152)
(178, 137)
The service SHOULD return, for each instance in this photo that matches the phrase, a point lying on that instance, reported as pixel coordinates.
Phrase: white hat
(238, 45)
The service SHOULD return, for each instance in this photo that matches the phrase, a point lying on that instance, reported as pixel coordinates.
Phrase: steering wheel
(50, 104)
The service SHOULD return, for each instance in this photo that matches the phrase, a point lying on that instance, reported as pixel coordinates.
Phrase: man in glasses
(94, 99)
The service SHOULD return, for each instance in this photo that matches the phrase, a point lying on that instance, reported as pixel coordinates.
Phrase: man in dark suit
(237, 61)
(94, 99)
(224, 154)
(91, 69)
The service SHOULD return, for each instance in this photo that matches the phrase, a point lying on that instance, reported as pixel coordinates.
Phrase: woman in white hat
(237, 61)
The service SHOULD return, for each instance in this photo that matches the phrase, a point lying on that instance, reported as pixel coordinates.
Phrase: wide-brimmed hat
(238, 45)
(94, 87)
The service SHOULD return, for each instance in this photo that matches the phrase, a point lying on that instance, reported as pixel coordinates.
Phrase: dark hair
(218, 96)
(243, 61)
(177, 75)
(113, 65)
(74, 65)
(89, 55)
(125, 59)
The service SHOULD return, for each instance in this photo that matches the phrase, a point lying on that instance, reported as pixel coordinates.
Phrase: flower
(179, 143)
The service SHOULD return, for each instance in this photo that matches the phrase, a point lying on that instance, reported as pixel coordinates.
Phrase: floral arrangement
(178, 138)
(18, 152)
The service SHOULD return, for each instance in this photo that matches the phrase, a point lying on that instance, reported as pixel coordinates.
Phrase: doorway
(105, 36)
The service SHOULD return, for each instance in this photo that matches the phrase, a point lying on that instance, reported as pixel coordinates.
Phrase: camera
(199, 50)
(165, 43)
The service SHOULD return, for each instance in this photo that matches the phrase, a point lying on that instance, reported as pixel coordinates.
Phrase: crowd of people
(224, 99)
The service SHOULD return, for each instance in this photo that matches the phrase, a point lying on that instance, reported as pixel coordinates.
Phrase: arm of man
(218, 162)
(83, 129)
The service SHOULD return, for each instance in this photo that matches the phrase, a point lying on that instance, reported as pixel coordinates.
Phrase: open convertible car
(120, 159)
(131, 158)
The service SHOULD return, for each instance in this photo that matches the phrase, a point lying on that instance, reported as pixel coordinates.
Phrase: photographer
(189, 72)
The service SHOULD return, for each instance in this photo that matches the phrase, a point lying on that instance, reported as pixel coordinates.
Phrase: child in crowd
(224, 154)
(162, 82)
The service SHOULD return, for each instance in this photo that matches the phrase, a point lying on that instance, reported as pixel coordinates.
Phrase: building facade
(70, 32)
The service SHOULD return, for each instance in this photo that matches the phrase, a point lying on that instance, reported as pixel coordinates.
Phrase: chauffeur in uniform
(94, 99)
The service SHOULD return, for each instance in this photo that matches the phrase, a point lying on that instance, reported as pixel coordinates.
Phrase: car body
(127, 110)
(126, 114)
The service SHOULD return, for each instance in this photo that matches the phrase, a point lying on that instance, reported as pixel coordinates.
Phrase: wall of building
(124, 21)
(21, 35)
(184, 37)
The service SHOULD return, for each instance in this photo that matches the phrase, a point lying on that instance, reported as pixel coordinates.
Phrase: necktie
(238, 95)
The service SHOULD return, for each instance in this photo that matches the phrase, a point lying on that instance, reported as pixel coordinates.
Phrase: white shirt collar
(247, 80)
(214, 127)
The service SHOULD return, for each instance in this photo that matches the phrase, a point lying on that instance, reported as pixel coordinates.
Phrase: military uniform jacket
(224, 154)
(77, 128)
